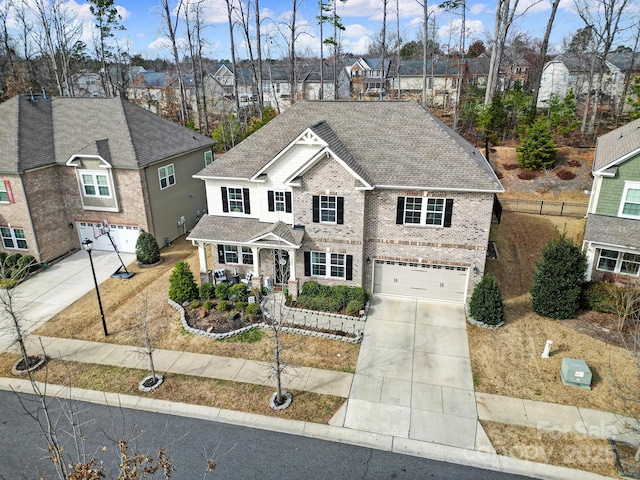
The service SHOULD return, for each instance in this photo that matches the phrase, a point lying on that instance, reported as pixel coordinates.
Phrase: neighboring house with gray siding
(612, 235)
(69, 164)
(377, 194)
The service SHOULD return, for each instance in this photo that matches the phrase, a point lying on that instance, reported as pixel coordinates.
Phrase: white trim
(73, 160)
(270, 235)
(437, 189)
(307, 132)
(595, 194)
(167, 176)
(615, 162)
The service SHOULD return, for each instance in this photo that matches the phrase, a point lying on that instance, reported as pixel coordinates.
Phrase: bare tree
(107, 21)
(171, 25)
(537, 76)
(244, 14)
(154, 380)
(194, 44)
(234, 65)
(383, 50)
(603, 19)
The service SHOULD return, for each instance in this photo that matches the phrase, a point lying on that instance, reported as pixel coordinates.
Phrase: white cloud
(477, 8)
(358, 47)
(450, 33)
(356, 30)
(160, 43)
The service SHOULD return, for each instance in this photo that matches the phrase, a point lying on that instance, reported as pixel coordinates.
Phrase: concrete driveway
(413, 377)
(52, 289)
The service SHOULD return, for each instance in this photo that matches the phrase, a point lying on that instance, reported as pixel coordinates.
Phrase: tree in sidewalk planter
(486, 302)
(147, 249)
(537, 148)
(558, 280)
(154, 380)
(182, 286)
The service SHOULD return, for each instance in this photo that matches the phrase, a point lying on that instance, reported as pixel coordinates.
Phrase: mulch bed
(219, 322)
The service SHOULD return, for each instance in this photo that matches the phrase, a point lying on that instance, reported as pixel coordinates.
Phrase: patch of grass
(244, 397)
(564, 449)
(250, 336)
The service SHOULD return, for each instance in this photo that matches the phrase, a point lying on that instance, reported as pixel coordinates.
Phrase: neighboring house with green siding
(69, 164)
(612, 236)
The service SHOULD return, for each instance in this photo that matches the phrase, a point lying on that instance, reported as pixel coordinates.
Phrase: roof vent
(44, 94)
(298, 227)
(33, 99)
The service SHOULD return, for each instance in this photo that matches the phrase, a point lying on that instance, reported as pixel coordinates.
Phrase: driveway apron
(413, 377)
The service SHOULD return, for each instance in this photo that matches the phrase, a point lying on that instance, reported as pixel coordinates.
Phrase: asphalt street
(238, 452)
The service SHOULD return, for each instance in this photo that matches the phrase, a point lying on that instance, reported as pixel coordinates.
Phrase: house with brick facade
(375, 194)
(70, 164)
(612, 235)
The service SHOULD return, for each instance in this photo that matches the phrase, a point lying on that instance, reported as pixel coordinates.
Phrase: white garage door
(421, 280)
(125, 237)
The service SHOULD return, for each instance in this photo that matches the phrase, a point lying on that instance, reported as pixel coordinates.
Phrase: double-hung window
(167, 176)
(235, 254)
(235, 200)
(328, 265)
(5, 192)
(279, 202)
(13, 238)
(95, 184)
(430, 211)
(328, 209)
(630, 206)
(619, 262)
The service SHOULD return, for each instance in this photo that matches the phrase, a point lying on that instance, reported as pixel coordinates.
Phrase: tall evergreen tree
(537, 150)
(558, 280)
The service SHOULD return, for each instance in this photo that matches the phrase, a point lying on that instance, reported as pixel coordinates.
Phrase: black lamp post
(88, 245)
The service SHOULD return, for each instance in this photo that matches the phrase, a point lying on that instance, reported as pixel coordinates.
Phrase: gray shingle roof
(392, 143)
(623, 232)
(241, 230)
(45, 132)
(617, 143)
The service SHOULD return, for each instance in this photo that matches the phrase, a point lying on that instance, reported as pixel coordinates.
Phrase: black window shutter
(448, 211)
(307, 264)
(221, 254)
(225, 200)
(271, 201)
(349, 267)
(247, 205)
(340, 205)
(400, 211)
(287, 201)
(316, 209)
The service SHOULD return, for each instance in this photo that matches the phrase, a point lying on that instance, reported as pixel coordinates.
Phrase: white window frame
(94, 177)
(12, 237)
(238, 199)
(622, 260)
(429, 207)
(279, 201)
(334, 265)
(243, 255)
(208, 158)
(628, 186)
(4, 192)
(163, 174)
(327, 209)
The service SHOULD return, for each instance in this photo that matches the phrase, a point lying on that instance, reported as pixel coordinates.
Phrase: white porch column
(292, 264)
(202, 257)
(256, 262)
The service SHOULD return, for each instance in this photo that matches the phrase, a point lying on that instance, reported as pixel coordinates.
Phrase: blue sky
(362, 19)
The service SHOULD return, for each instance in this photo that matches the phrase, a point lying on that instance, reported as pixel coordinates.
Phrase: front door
(281, 260)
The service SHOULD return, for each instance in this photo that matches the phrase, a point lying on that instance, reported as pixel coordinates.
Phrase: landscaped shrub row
(337, 298)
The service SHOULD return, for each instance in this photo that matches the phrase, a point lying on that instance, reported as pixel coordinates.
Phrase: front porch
(246, 248)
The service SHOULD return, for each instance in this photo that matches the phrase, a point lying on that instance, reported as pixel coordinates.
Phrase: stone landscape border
(232, 333)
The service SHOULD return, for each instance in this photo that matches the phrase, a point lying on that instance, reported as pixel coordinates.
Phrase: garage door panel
(428, 281)
(125, 237)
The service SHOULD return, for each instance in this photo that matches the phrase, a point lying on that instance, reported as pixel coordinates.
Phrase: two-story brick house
(69, 164)
(612, 235)
(377, 194)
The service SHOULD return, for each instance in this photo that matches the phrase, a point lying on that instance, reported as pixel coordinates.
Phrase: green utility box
(575, 373)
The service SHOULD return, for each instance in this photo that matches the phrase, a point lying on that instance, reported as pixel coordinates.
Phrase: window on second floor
(429, 211)
(235, 200)
(328, 209)
(6, 196)
(95, 184)
(630, 206)
(167, 176)
(13, 238)
(208, 158)
(279, 201)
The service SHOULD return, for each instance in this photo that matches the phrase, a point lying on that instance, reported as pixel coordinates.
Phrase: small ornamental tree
(486, 302)
(182, 286)
(147, 249)
(558, 280)
(537, 150)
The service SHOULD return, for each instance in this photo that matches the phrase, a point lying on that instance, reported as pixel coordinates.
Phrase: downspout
(33, 228)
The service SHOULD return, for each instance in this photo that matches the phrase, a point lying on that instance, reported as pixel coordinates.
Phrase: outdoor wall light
(368, 260)
(476, 271)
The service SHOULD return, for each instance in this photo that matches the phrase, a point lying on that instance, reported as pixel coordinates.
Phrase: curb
(432, 451)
